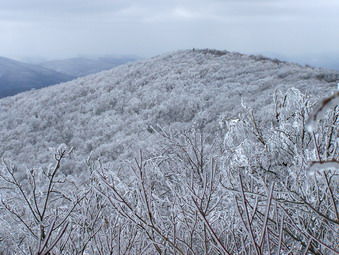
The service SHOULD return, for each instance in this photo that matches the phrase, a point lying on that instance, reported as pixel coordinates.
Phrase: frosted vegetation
(194, 152)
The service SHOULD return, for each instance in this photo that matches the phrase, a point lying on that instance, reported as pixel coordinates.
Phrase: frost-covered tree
(249, 194)
(282, 207)
(37, 205)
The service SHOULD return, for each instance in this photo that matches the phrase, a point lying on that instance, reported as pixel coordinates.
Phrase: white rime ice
(322, 166)
(320, 111)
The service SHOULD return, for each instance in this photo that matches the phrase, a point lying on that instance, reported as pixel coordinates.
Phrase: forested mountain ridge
(105, 114)
(16, 77)
(192, 152)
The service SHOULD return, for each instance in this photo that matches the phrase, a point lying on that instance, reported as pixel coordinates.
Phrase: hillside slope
(110, 114)
(17, 77)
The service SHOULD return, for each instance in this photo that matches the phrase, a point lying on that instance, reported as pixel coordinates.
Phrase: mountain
(328, 60)
(84, 66)
(16, 77)
(111, 114)
(191, 152)
(325, 60)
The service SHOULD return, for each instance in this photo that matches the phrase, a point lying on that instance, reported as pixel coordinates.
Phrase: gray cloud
(62, 28)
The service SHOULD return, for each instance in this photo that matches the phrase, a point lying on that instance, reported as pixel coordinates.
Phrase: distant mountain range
(83, 66)
(325, 60)
(16, 77)
(328, 60)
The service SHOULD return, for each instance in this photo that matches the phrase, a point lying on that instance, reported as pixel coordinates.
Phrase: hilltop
(110, 114)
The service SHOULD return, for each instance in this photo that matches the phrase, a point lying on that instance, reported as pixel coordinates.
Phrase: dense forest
(192, 152)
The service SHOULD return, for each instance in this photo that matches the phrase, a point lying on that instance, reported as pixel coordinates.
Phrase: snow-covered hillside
(192, 152)
(108, 113)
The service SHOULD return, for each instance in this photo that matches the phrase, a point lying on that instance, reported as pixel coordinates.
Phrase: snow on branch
(321, 166)
(320, 111)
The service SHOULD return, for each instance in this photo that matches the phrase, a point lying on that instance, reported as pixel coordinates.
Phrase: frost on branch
(329, 142)
(322, 166)
(40, 205)
(320, 111)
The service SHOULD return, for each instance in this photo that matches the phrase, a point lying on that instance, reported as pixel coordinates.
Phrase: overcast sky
(67, 28)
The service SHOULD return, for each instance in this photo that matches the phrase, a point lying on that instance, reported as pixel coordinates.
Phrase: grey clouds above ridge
(64, 28)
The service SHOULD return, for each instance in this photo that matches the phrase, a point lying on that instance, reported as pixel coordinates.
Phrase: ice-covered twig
(320, 111)
(316, 166)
